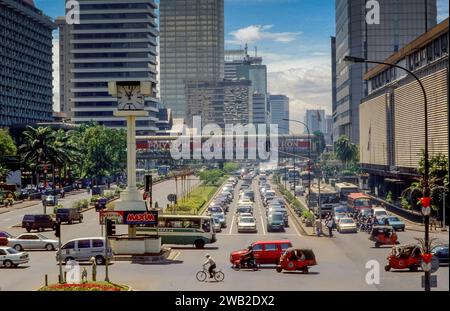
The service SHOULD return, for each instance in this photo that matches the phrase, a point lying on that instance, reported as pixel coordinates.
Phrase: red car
(265, 252)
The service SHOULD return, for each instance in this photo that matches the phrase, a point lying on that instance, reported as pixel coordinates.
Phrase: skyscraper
(279, 110)
(221, 102)
(115, 41)
(64, 65)
(25, 64)
(400, 22)
(315, 119)
(192, 48)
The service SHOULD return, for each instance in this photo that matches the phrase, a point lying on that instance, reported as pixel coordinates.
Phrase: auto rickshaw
(405, 257)
(295, 259)
(384, 235)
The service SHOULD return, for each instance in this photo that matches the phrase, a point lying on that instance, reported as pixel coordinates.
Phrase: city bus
(329, 198)
(182, 230)
(344, 189)
(357, 201)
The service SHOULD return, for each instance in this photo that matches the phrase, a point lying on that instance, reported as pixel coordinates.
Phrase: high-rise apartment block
(115, 41)
(26, 81)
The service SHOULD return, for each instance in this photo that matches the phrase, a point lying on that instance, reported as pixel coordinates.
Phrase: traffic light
(148, 183)
(58, 229)
(110, 227)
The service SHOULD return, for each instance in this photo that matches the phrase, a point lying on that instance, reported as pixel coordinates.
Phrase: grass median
(198, 197)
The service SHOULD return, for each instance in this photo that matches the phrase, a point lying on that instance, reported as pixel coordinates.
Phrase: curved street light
(309, 156)
(426, 186)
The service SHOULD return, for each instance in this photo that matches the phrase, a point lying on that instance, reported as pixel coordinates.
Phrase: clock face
(129, 97)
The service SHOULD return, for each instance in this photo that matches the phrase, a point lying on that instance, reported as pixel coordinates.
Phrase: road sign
(431, 267)
(172, 197)
(433, 281)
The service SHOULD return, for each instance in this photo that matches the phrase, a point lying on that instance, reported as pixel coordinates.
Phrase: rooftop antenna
(256, 51)
(246, 49)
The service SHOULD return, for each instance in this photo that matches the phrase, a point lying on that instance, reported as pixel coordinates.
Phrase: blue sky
(292, 36)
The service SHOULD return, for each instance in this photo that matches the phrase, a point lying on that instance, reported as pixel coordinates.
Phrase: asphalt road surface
(341, 261)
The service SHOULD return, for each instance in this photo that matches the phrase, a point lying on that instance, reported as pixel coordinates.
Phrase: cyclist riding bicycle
(212, 265)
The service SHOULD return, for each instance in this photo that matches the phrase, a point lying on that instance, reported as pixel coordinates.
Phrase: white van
(379, 212)
(83, 249)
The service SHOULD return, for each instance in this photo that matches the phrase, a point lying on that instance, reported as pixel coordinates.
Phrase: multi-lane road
(341, 260)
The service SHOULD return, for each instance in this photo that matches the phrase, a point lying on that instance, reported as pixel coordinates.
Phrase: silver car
(32, 241)
(9, 257)
(84, 249)
(247, 224)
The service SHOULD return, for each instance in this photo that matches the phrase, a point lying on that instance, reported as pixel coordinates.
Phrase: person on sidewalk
(329, 225)
(318, 226)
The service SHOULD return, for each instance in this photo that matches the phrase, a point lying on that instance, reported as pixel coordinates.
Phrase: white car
(9, 257)
(32, 241)
(247, 224)
(346, 224)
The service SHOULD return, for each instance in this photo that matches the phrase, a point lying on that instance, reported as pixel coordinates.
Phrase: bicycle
(201, 276)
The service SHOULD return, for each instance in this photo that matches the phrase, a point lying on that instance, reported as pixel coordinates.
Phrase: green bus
(182, 230)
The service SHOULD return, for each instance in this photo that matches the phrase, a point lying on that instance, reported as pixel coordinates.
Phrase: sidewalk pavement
(27, 203)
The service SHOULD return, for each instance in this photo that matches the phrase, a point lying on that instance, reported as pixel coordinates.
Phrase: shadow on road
(193, 248)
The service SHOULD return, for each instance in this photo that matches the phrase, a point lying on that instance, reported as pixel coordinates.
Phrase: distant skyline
(292, 36)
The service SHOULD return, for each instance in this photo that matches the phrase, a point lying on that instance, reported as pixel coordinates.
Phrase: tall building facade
(392, 128)
(315, 119)
(64, 65)
(115, 41)
(26, 80)
(192, 48)
(259, 114)
(279, 110)
(400, 22)
(221, 102)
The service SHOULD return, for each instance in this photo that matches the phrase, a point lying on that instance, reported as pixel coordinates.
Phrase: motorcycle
(244, 263)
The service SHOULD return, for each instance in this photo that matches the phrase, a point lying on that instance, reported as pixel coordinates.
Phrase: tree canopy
(7, 145)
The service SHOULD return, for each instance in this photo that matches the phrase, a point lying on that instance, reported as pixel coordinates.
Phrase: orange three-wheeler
(295, 259)
(405, 257)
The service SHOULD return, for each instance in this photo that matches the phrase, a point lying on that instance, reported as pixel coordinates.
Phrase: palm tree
(66, 151)
(345, 150)
(38, 148)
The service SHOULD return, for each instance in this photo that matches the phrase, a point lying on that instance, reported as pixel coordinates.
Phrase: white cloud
(442, 6)
(306, 81)
(255, 33)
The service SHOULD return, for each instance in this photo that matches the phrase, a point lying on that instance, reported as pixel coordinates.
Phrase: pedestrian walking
(329, 225)
(318, 226)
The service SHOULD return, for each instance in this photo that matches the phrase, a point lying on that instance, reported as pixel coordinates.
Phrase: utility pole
(106, 250)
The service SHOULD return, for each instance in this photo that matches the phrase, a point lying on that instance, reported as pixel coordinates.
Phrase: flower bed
(86, 287)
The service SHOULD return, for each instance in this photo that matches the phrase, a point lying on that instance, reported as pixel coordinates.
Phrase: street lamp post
(309, 157)
(426, 186)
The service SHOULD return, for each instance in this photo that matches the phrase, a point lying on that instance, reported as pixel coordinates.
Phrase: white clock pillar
(131, 199)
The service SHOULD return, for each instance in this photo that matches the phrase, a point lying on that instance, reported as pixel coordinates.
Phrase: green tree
(230, 167)
(211, 176)
(7, 146)
(345, 150)
(103, 151)
(4, 172)
(320, 141)
(38, 148)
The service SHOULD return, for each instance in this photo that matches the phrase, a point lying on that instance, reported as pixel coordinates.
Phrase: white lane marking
(262, 225)
(176, 256)
(232, 223)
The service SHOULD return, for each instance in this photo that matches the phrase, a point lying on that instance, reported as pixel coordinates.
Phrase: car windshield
(12, 251)
(246, 220)
(219, 216)
(393, 219)
(276, 216)
(347, 221)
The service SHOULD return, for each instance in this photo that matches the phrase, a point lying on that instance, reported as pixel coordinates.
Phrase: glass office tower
(192, 47)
